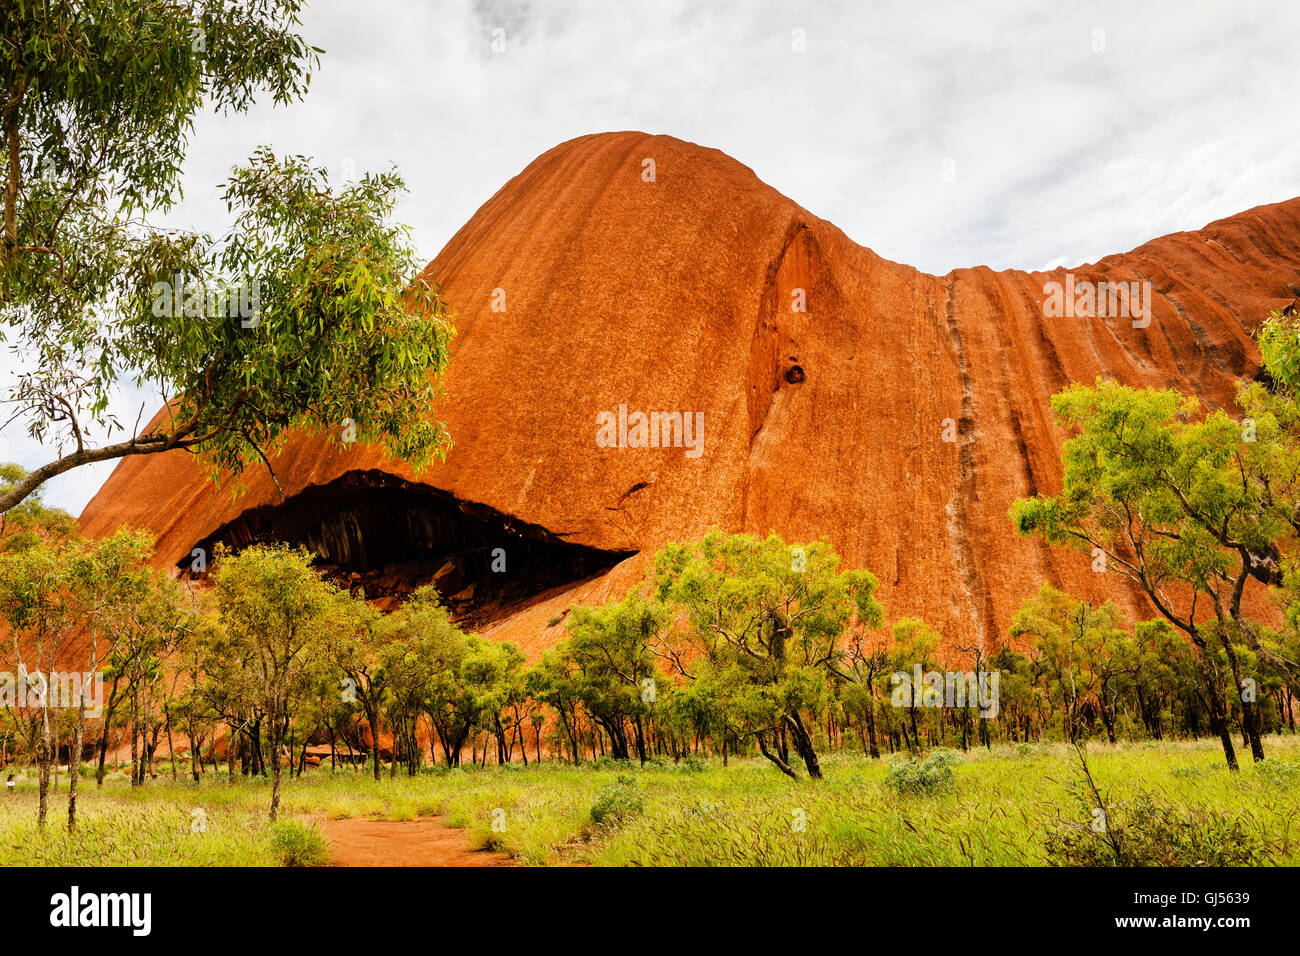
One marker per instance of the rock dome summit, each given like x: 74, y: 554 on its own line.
x: 842, y: 396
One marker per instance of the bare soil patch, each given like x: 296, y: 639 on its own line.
x: 423, y: 842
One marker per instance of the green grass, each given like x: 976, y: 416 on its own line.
x: 999, y: 811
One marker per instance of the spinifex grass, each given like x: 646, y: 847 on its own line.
x: 998, y: 812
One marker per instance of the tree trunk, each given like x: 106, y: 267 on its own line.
x: 1249, y: 712
x: 1218, y: 723
x: 135, y: 738
x: 775, y: 758
x: 44, y: 758
x: 171, y: 749
x: 74, y: 767
x: 803, y: 744
x: 103, y: 737
x: 870, y: 710
x: 640, y: 739
x: 259, y: 758
x: 373, y: 719
x: 277, y: 739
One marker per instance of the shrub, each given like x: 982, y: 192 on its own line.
x: 1279, y: 773
x: 930, y: 776
x: 620, y: 800
x: 298, y: 844
x: 693, y: 764
x: 1149, y: 832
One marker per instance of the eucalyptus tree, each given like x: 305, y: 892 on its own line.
x: 611, y: 657
x: 192, y: 710
x: 769, y: 619
x: 550, y: 681
x: 38, y: 609
x: 32, y: 521
x: 421, y: 660
x: 275, y: 610
x: 1080, y: 646
x: 355, y: 641
x: 493, y: 671
x: 866, y: 659
x: 309, y: 311
x: 109, y: 580
x: 1167, y: 497
x: 158, y: 627
x: 911, y: 654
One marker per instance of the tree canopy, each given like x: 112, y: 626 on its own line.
x: 309, y: 311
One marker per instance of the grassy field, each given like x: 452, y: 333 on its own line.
x: 1008, y: 806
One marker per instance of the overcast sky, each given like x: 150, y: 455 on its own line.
x: 1021, y: 133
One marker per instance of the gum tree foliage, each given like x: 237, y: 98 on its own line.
x: 421, y: 645
x: 1279, y: 347
x: 914, y: 645
x: 421, y: 658
x: 1164, y: 671
x: 609, y: 657
x: 192, y: 710
x: 471, y: 696
x: 32, y: 521
x: 38, y: 610
x: 1172, y: 499
x: 160, y: 627
x: 495, y: 670
x: 866, y: 661
x: 698, y: 709
x: 356, y: 637
x: 67, y: 603
x: 275, y: 610
x: 110, y: 581
x: 767, y: 618
x: 550, y: 681
x: 1083, y: 650
x: 226, y: 688
x: 28, y: 534
x: 1273, y: 408
x: 97, y: 101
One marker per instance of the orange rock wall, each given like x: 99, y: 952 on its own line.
x: 677, y: 294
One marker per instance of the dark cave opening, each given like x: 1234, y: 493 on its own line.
x: 374, y: 531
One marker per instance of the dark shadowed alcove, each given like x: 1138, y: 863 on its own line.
x: 373, y: 530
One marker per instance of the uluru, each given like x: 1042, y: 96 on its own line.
x: 796, y: 382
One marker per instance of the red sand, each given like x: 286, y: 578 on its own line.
x: 424, y: 842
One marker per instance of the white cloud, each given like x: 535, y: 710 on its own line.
x: 1062, y: 154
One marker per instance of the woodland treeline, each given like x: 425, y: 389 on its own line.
x: 734, y: 645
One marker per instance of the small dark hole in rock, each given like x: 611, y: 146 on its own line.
x: 794, y: 374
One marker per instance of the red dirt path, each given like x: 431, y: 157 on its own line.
x: 423, y: 842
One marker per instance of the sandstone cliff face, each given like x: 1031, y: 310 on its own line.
x: 581, y: 287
